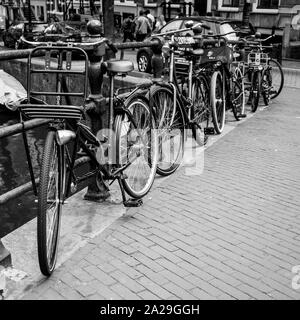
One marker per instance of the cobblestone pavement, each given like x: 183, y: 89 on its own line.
x: 232, y: 232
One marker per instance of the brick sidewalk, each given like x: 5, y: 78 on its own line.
x: 231, y: 233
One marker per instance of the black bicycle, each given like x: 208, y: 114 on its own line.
x: 128, y: 152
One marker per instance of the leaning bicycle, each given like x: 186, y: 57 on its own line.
x: 126, y: 153
x: 176, y: 109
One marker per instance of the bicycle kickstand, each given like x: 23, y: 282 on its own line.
x: 131, y: 202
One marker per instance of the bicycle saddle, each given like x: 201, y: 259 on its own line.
x: 119, y: 66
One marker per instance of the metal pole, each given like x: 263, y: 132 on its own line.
x: 29, y: 16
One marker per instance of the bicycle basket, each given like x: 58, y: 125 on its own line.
x: 223, y: 54
x: 257, y: 59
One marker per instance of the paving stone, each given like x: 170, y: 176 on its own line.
x: 230, y: 233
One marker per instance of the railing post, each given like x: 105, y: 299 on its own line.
x: 5, y: 256
x: 96, y: 107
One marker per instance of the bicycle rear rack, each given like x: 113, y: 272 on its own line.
x: 61, y: 68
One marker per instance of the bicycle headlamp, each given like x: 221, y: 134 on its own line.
x: 64, y: 136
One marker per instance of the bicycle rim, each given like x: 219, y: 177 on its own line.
x: 200, y: 110
x: 49, y: 205
x: 277, y: 78
x: 137, y: 147
x: 238, y: 94
x: 218, y: 102
x: 170, y: 124
x: 266, y: 86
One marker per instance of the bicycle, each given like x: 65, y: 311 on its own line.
x: 176, y: 111
x: 225, y: 77
x: 260, y: 70
x: 128, y: 154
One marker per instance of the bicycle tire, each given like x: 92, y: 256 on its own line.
x: 200, y: 113
x: 238, y: 94
x: 51, y: 168
x: 255, y: 90
x: 279, y: 78
x: 266, y: 86
x: 171, y: 130
x: 136, y: 183
x: 218, y: 102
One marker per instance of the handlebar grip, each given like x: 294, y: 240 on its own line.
x: 113, y: 48
x: 205, y: 26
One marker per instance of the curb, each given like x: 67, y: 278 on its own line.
x: 5, y: 256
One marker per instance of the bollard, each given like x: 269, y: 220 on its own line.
x: 96, y: 107
x: 5, y: 256
x: 157, y: 59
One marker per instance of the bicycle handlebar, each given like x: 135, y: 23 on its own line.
x: 60, y: 43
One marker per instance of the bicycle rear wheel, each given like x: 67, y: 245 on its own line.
x: 136, y: 146
x: 277, y: 78
x: 266, y: 85
x: 170, y: 124
x: 218, y: 102
x: 238, y: 94
x: 255, y: 90
x: 49, y: 204
x: 200, y: 115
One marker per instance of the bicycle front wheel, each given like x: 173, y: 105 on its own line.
x: 200, y: 115
x: 218, y: 102
x: 49, y: 204
x: 170, y: 125
x: 277, y: 78
x: 136, y: 147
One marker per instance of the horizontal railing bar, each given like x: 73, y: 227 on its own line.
x: 24, y: 53
x: 17, y: 128
x: 57, y: 71
x: 17, y: 192
x: 16, y: 54
x: 26, y: 187
x: 49, y: 93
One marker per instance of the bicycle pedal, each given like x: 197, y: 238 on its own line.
x: 209, y: 131
x: 133, y: 202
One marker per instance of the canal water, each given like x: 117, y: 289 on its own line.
x: 14, y: 172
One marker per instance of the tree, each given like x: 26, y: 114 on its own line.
x: 108, y: 18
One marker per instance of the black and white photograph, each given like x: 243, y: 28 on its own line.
x: 149, y: 154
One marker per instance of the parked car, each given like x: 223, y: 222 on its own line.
x: 217, y: 25
x: 40, y: 32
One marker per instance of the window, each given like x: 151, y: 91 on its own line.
x: 230, y: 3
x: 268, y: 4
x: 172, y: 26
